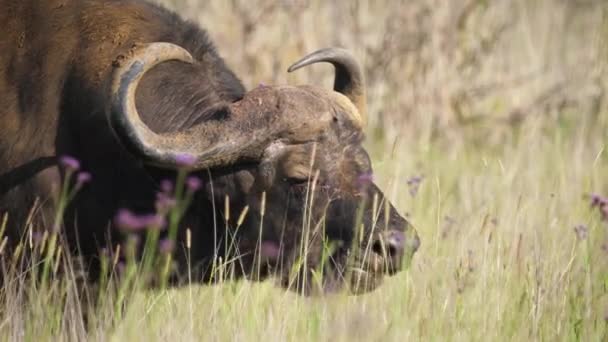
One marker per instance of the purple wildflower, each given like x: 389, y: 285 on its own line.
x: 166, y: 246
x: 601, y: 203
x: 126, y: 220
x: 82, y: 178
x: 70, y: 163
x: 164, y: 202
x: 166, y: 186
x: 185, y: 160
x: 269, y: 250
x: 581, y: 231
x: 193, y: 183
x: 598, y: 200
x: 413, y: 184
x: 365, y: 178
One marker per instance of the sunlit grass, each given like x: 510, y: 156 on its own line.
x: 500, y: 260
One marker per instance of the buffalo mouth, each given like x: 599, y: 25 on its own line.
x: 368, y: 272
x: 361, y: 272
x: 346, y: 270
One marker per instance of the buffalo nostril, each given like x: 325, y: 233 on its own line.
x: 391, y: 243
x: 396, y: 248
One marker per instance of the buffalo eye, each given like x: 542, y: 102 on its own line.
x: 296, y: 181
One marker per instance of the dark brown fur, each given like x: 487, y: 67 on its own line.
x: 55, y: 68
x: 56, y: 63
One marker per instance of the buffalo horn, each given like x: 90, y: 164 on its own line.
x: 349, y: 76
x: 199, y: 147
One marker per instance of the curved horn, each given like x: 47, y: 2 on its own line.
x: 203, y: 146
x: 349, y: 76
x: 124, y: 118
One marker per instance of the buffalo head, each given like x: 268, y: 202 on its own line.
x: 311, y: 212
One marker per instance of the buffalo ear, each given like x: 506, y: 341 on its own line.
x: 297, y: 162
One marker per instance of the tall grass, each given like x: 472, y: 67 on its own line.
x: 488, y: 129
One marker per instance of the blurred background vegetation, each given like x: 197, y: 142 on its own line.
x: 434, y: 68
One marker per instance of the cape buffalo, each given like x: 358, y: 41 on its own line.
x: 130, y: 90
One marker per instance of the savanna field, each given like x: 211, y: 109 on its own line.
x: 488, y: 126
